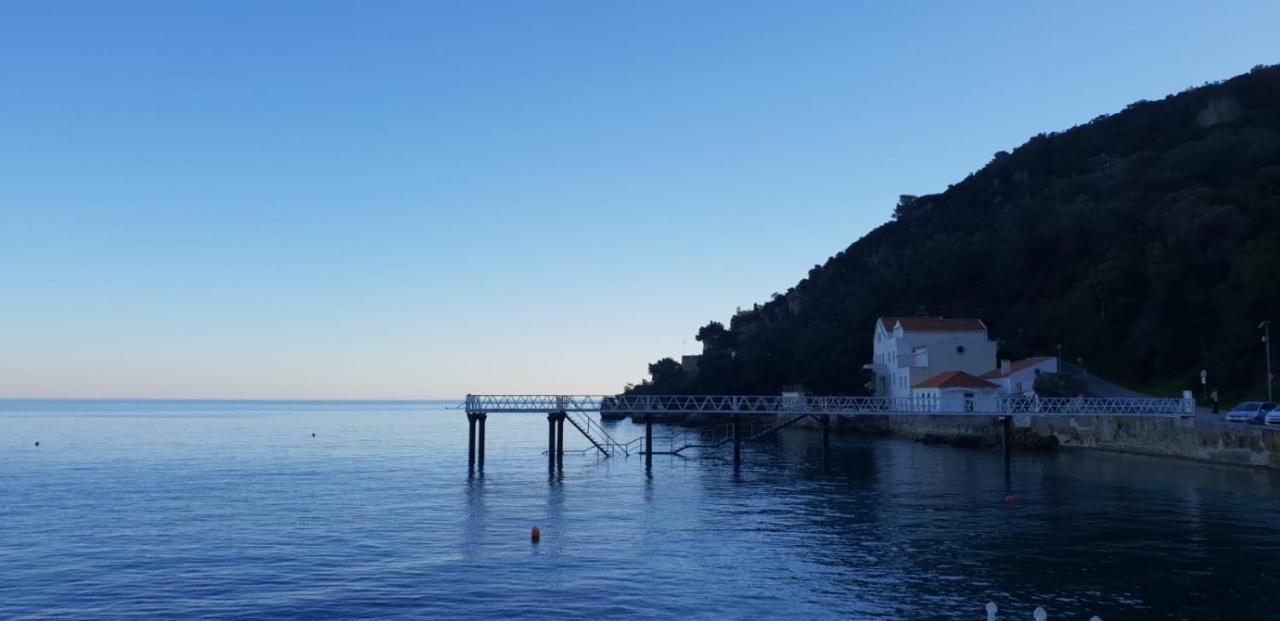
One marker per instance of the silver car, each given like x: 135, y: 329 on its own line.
x: 1272, y: 418
x: 1254, y: 412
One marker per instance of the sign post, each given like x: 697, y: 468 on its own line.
x: 1266, y: 346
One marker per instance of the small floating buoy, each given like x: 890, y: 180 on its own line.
x: 1009, y: 499
x: 535, y: 535
x: 313, y: 435
x: 37, y: 443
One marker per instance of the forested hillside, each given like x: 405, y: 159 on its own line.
x: 1146, y: 243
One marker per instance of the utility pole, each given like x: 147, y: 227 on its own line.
x: 1266, y: 348
x: 1059, y: 358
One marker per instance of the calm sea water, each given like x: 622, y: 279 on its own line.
x: 234, y: 510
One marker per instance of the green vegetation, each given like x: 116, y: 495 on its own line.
x: 1059, y: 385
x: 1146, y: 243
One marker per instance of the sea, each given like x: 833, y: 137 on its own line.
x: 368, y: 510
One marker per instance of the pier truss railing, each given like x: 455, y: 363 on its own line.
x: 839, y: 406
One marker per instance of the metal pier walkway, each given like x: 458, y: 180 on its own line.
x: 785, y: 409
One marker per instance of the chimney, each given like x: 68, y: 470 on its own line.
x: 1006, y: 366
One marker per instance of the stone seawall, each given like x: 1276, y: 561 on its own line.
x: 1186, y: 438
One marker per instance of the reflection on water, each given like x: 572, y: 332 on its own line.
x: 473, y: 523
x: 217, y: 510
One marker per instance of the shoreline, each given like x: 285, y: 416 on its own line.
x: 1185, y: 439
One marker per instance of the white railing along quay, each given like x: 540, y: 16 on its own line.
x: 839, y: 406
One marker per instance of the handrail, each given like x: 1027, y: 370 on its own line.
x: 720, y: 430
x: 605, y: 434
x: 843, y: 406
x: 779, y: 426
x: 591, y: 429
x: 574, y: 421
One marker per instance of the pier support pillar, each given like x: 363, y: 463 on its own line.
x: 825, y: 419
x: 648, y: 441
x: 481, y: 418
x: 560, y: 416
x: 737, y: 442
x: 551, y: 438
x: 471, y: 441
x: 1006, y: 442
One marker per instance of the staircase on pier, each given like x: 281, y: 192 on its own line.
x: 596, y: 434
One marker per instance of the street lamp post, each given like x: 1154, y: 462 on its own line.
x: 1266, y: 348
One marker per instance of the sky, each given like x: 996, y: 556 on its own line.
x: 427, y: 199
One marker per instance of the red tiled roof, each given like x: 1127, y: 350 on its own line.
x: 933, y: 324
x: 1017, y: 365
x: 954, y: 379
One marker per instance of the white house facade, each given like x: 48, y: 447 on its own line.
x: 910, y: 350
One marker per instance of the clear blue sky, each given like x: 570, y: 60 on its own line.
x: 424, y: 199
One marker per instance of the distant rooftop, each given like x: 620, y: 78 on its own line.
x: 954, y: 379
x: 1017, y: 365
x: 933, y: 324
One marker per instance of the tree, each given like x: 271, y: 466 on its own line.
x: 905, y: 203
x: 667, y: 375
x: 714, y: 337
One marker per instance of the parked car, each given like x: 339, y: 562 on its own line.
x: 1273, y: 417
x: 1254, y: 412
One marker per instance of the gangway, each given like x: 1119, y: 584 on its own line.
x: 793, y: 408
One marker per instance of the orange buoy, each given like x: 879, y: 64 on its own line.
x: 535, y: 534
x: 1008, y: 498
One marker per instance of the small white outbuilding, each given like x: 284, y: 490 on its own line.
x: 955, y: 391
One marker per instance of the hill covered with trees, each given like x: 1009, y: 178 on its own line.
x: 1146, y: 243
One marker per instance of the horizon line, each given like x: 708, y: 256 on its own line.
x: 339, y: 399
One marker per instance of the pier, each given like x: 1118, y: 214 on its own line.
x: 777, y: 412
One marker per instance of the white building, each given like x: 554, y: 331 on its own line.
x: 1018, y: 377
x: 955, y: 391
x: 910, y: 350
